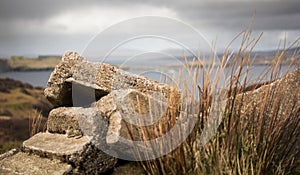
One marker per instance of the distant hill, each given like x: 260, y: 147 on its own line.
x: 4, y: 66
x: 48, y: 62
x: 261, y: 57
x: 269, y: 55
x: 19, y: 63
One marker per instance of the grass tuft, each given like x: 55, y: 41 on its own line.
x: 259, y: 132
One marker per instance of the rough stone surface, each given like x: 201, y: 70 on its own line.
x: 78, y: 121
x: 64, y: 120
x: 78, y: 152
x: 129, y: 114
x: 136, y: 116
x: 55, y: 145
x: 287, y: 88
x: 276, y: 104
x: 76, y: 70
x: 9, y: 153
x: 29, y: 164
x: 131, y: 106
x: 59, y: 89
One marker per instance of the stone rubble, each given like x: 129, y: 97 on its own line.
x: 94, y: 102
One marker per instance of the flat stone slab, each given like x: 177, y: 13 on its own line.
x: 29, y: 164
x: 76, y: 151
x: 88, y: 80
x: 55, y: 145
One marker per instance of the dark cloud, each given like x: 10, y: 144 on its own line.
x: 30, y: 9
x: 26, y: 21
x: 232, y: 15
x: 43, y: 9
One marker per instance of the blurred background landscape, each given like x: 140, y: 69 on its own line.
x: 35, y: 34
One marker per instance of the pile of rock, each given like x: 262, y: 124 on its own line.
x: 96, y: 104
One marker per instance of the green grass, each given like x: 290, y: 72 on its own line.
x: 4, y: 147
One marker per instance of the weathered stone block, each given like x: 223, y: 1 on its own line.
x: 64, y: 120
x: 79, y: 152
x: 98, y: 78
x: 136, y: 116
x: 78, y: 121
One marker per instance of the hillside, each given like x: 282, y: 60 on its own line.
x: 20, y: 63
x: 20, y: 105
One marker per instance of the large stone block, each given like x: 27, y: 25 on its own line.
x: 66, y: 120
x: 136, y: 116
x: 95, y: 80
x: 77, y: 122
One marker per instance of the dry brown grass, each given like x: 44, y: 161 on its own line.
x: 259, y: 141
x: 37, y: 123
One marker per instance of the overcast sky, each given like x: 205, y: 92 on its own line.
x: 36, y: 27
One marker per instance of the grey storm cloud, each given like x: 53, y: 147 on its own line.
x: 270, y: 14
x: 36, y: 9
x: 192, y: 9
x: 43, y: 22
